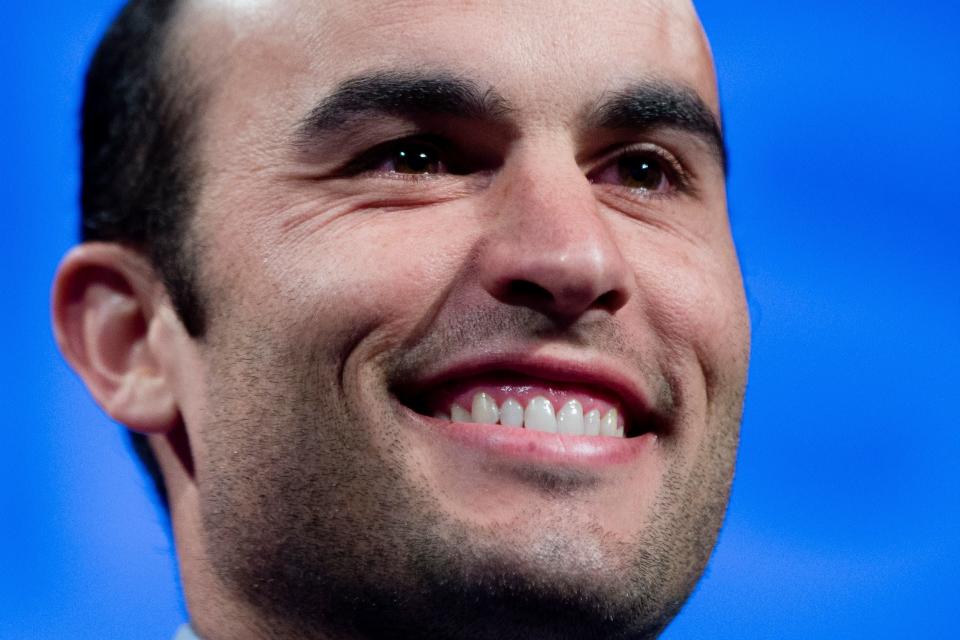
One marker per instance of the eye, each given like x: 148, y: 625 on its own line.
x: 641, y: 170
x: 422, y: 156
x: 414, y: 158
x: 407, y: 157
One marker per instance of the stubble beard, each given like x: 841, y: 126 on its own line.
x: 322, y: 534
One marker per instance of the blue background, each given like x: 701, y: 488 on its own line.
x: 845, y: 196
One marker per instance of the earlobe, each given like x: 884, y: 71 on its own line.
x: 105, y: 303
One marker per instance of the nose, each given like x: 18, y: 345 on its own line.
x: 550, y: 248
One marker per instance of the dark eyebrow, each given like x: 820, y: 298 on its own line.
x: 653, y: 104
x: 401, y: 94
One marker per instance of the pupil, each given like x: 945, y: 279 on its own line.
x: 415, y: 161
x: 641, y: 173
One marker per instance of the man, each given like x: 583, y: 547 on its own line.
x: 429, y: 312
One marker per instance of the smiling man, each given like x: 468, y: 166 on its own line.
x: 426, y: 315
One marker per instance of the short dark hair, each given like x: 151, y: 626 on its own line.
x: 138, y: 178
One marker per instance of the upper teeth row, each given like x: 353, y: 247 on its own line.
x: 538, y: 415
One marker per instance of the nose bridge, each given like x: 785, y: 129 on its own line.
x: 550, y: 247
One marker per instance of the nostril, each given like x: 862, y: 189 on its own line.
x: 567, y: 303
x: 611, y: 300
x: 528, y: 293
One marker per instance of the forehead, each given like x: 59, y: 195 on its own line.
x: 544, y: 56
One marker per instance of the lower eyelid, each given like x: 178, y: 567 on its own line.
x: 404, y: 177
x: 632, y: 200
x: 417, y: 185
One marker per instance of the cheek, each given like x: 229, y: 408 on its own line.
x: 694, y: 299
x: 368, y: 267
x: 708, y: 304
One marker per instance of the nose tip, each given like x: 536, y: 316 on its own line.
x: 555, y: 253
x: 563, y: 286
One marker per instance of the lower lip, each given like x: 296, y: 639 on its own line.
x: 529, y: 445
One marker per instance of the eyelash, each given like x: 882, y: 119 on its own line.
x: 676, y: 175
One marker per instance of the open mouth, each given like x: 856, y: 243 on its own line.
x: 521, y: 401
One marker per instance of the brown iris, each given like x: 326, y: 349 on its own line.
x: 417, y: 159
x: 641, y: 172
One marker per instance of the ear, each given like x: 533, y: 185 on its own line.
x: 106, y: 302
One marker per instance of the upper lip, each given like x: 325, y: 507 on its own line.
x: 590, y: 372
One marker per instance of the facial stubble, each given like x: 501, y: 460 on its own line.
x: 313, y: 517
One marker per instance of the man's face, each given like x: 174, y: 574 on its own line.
x: 405, y: 205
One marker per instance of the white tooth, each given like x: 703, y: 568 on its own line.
x: 570, y: 418
x: 608, y: 426
x: 459, y: 414
x: 511, y: 413
x: 440, y: 415
x: 485, y: 409
x: 539, y: 416
x: 591, y: 423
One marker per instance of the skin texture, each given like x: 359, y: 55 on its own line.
x: 307, y: 501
